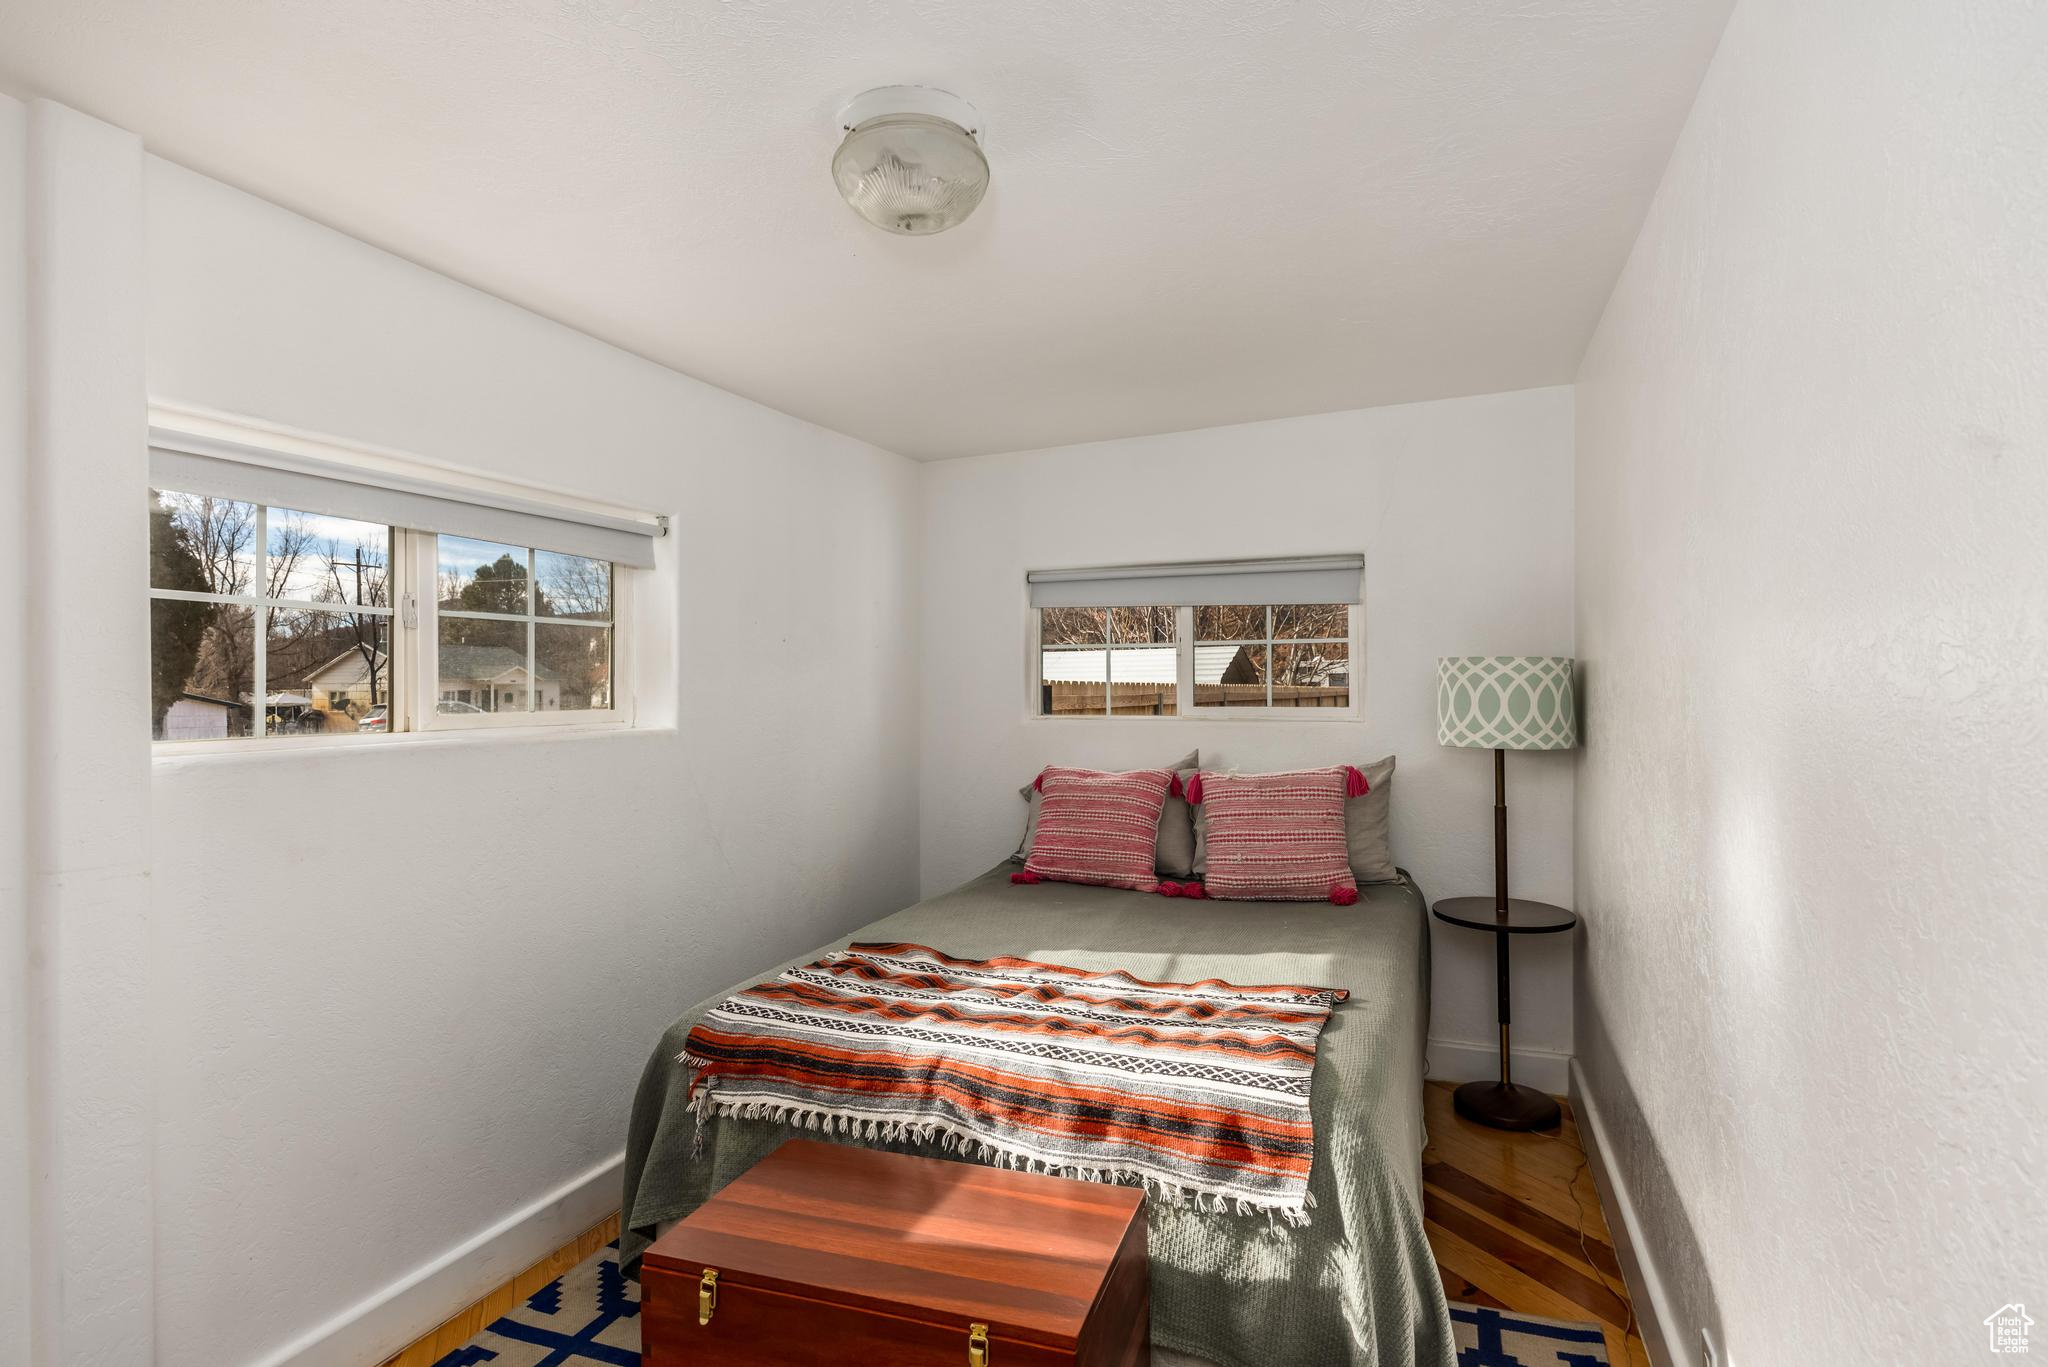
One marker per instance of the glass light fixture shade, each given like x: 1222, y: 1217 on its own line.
x: 911, y: 173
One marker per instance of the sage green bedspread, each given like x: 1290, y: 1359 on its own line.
x: 1357, y: 1286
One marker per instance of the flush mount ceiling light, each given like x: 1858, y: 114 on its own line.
x: 911, y: 162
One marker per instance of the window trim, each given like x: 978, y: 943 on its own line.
x: 426, y: 693
x: 1184, y: 691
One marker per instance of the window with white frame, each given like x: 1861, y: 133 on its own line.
x: 282, y: 605
x: 520, y: 630
x: 1266, y: 638
x: 1273, y: 655
x: 264, y: 621
x: 1099, y: 662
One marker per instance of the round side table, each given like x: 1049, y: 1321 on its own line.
x: 1506, y: 1104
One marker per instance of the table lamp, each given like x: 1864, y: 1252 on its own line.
x: 1503, y: 703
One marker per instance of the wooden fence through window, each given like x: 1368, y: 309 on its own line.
x: 1065, y: 699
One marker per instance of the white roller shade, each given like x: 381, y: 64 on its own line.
x: 305, y: 483
x: 1313, y: 579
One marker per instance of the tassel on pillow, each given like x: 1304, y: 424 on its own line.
x: 1354, y: 782
x: 1344, y: 897
x: 1025, y: 877
x: 1194, y: 791
x: 1168, y: 888
x: 1194, y: 890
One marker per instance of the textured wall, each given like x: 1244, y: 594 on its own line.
x: 87, y: 812
x: 404, y: 990
x: 1812, y: 488
x: 15, y: 1126
x: 1463, y: 510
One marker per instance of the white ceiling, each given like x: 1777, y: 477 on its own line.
x: 1202, y: 211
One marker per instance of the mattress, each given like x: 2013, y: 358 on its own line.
x: 1357, y: 1285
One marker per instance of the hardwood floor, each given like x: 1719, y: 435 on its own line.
x: 463, y: 1326
x: 1515, y: 1222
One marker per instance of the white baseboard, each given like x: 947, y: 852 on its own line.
x: 379, y: 1326
x: 1456, y: 1061
x: 1654, y: 1317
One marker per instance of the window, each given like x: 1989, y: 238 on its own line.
x: 1178, y: 640
x: 314, y: 616
x: 264, y: 621
x: 1109, y: 661
x: 1297, y: 655
x: 521, y: 630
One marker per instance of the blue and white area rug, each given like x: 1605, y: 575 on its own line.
x: 591, y: 1314
x: 1506, y: 1338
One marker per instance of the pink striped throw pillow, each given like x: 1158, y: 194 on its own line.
x: 1278, y: 837
x: 1098, y: 828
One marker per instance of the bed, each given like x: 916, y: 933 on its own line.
x: 1358, y: 1285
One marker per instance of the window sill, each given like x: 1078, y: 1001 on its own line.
x: 1310, y: 716
x: 179, y: 754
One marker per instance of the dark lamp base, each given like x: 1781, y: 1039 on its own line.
x: 1507, y: 1106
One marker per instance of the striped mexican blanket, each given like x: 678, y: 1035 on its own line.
x: 1197, y: 1091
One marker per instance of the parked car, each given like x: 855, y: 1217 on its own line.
x: 378, y: 718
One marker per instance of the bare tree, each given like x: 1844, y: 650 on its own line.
x: 1230, y: 623
x: 291, y: 541
x: 221, y: 534
x: 364, y: 573
x: 574, y: 587
x: 1073, y: 626
x: 1143, y: 626
x: 1322, y: 629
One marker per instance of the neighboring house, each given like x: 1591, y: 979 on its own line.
x: 343, y: 684
x: 493, y: 679
x: 200, y: 716
x: 488, y: 678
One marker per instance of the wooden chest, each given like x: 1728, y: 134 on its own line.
x: 824, y: 1253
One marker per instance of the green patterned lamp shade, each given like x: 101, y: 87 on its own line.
x: 1506, y: 702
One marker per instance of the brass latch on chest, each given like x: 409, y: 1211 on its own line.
x: 707, y: 1296
x: 977, y: 1345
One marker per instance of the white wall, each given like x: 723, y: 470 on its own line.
x: 1812, y: 489
x: 86, y: 818
x: 1463, y: 510
x: 348, y: 1032
x: 15, y: 1047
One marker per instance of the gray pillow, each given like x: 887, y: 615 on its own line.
x: 1368, y: 825
x: 1176, y: 853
